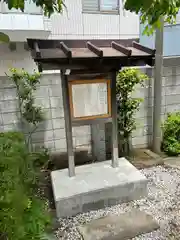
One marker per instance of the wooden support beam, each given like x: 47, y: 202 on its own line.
x: 37, y: 50
x: 39, y: 65
x: 95, y: 49
x: 67, y: 51
x: 91, y: 121
x: 121, y: 48
x: 68, y: 124
x: 144, y: 49
x: 115, y: 152
x: 38, y: 55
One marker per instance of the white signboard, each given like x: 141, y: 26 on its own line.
x: 89, y: 98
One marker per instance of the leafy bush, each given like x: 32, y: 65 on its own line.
x: 41, y: 158
x: 14, y: 136
x: 31, y: 115
x: 127, y: 81
x: 24, y: 214
x: 171, y: 134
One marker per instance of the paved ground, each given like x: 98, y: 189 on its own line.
x: 163, y: 203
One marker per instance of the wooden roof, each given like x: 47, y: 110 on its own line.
x: 50, y: 54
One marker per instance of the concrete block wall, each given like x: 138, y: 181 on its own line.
x: 51, y: 132
x: 142, y: 136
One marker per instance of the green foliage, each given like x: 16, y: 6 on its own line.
x: 26, y: 85
x: 4, y: 38
x: 127, y: 80
x: 18, y: 137
x: 23, y: 214
x: 171, y: 134
x: 152, y: 10
x: 41, y: 158
x: 48, y: 7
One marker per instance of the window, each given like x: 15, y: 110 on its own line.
x: 101, y: 6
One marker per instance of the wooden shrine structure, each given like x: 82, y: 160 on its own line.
x: 88, y: 65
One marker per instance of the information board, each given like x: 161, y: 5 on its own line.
x: 90, y: 99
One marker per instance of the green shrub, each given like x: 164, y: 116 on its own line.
x: 171, y: 134
x: 24, y: 214
x: 41, y: 158
x: 126, y: 83
x: 11, y: 135
x: 30, y: 114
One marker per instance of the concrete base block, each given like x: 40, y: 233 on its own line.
x: 96, y: 186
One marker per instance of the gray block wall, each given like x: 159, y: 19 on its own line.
x: 170, y: 102
x: 142, y: 136
x: 51, y: 132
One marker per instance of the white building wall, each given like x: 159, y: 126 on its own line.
x: 20, y: 25
x: 74, y: 24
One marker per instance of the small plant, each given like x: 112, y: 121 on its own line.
x: 41, y: 158
x: 127, y: 80
x: 31, y: 115
x: 24, y: 212
x: 171, y: 134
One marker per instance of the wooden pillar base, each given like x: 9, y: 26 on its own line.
x: 68, y: 124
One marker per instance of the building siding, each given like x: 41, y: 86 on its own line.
x: 74, y: 24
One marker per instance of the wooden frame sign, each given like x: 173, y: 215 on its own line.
x: 90, y: 99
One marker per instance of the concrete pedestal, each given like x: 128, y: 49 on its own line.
x: 96, y: 186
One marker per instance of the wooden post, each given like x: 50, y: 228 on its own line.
x: 114, y: 121
x: 68, y: 124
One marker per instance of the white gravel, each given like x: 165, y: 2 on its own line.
x: 163, y: 203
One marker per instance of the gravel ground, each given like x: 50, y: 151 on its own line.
x: 163, y: 203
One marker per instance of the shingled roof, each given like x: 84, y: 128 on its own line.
x: 49, y: 53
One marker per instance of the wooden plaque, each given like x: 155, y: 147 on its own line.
x: 90, y: 99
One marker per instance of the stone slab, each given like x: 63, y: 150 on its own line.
x: 173, y: 162
x: 122, y: 227
x: 151, y: 154
x: 96, y: 186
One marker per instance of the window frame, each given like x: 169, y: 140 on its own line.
x: 99, y: 11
